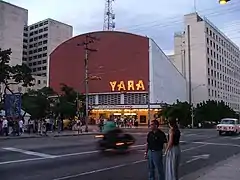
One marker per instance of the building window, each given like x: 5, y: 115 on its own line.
x: 111, y: 99
x: 135, y: 98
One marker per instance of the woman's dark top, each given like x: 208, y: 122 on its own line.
x: 176, y: 137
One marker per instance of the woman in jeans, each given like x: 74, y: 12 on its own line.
x: 173, y: 151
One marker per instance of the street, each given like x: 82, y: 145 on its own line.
x: 76, y: 158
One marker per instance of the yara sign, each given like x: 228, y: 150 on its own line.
x: 127, y: 85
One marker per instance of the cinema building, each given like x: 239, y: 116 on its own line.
x: 132, y: 70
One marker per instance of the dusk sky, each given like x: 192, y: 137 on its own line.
x: 158, y: 20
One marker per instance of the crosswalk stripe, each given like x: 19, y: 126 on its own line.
x: 42, y: 155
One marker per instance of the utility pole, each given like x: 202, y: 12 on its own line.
x: 88, y: 40
x: 109, y: 16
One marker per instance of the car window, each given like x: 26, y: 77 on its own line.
x: 228, y: 122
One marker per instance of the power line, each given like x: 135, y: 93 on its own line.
x: 178, y: 22
x: 176, y: 19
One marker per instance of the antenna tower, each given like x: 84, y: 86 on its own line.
x: 109, y: 16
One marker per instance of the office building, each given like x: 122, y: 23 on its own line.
x: 30, y: 44
x: 43, y: 37
x: 13, y: 19
x: 209, y: 60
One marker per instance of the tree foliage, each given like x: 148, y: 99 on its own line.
x: 37, y: 103
x: 213, y: 111
x: 13, y: 74
x: 67, y: 104
x: 45, y: 102
x: 179, y: 110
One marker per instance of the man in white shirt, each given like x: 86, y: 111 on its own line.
x: 5, y: 126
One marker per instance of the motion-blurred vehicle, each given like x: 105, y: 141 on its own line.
x: 117, y: 140
x: 228, y: 126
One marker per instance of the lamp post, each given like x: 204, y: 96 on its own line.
x: 223, y: 2
x: 192, y: 108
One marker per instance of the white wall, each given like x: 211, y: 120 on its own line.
x: 198, y: 57
x: 12, y: 22
x: 166, y: 82
x: 58, y: 33
x: 39, y: 83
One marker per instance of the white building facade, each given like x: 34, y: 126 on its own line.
x: 209, y: 61
x: 43, y: 37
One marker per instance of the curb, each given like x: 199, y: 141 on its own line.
x: 48, y: 136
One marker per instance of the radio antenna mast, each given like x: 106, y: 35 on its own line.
x: 109, y: 16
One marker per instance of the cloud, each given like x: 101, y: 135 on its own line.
x: 158, y: 19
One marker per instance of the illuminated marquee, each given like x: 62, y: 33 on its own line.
x: 127, y: 86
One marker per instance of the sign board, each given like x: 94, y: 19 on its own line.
x: 129, y: 85
x: 13, y: 105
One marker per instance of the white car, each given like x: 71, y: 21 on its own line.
x: 228, y: 126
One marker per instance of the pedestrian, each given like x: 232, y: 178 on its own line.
x: 79, y: 129
x: 20, y: 123
x: 5, y: 126
x: 156, y: 139
x: 173, y: 151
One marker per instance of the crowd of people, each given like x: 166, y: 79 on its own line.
x: 17, y: 126
x: 12, y: 126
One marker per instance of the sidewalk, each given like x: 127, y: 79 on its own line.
x: 92, y: 130
x: 49, y: 134
x: 228, y: 170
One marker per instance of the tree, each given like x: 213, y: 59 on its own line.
x: 67, y: 104
x: 13, y: 74
x: 213, y: 111
x: 37, y: 102
x: 180, y: 111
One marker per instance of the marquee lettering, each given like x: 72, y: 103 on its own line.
x: 127, y: 86
x: 113, y: 85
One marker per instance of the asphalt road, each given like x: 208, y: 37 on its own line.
x: 76, y: 158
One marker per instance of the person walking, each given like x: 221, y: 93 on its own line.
x: 173, y: 151
x: 156, y: 139
x: 79, y: 129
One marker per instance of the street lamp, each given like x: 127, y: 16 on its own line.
x: 223, y: 2
x: 192, y: 115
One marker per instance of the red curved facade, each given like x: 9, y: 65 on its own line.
x: 119, y: 57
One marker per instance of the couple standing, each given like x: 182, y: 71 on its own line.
x: 156, y: 141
